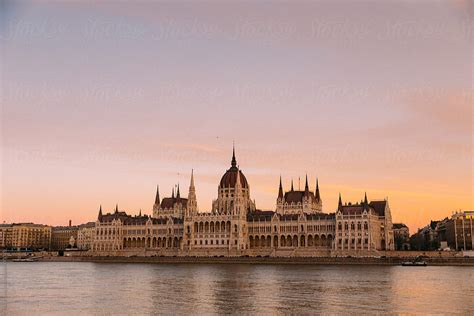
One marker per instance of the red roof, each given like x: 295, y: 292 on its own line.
x: 170, y: 202
x: 229, y: 178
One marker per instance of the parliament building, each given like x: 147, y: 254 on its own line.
x: 235, y: 227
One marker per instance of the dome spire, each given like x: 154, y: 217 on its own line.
x: 233, y: 162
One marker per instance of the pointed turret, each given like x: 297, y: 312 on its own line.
x: 116, y: 208
x: 318, y: 197
x: 191, y: 184
x: 172, y: 193
x: 292, y: 185
x: 177, y: 193
x: 100, y: 213
x: 157, y: 198
x: 280, y: 190
x: 339, y: 207
x: 140, y: 213
x: 306, y: 187
x: 366, y: 202
x: 238, y: 184
x: 192, y: 202
x: 238, y: 196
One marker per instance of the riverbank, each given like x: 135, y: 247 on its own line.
x: 264, y: 260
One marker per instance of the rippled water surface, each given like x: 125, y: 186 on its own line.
x: 99, y: 288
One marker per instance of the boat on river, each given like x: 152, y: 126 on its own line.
x: 417, y: 262
x: 31, y: 259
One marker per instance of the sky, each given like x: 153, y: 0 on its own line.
x: 102, y: 102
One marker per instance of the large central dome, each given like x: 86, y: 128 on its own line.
x: 230, y: 177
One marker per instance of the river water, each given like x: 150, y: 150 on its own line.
x: 116, y: 289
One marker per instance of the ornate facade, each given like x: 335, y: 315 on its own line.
x: 234, y: 227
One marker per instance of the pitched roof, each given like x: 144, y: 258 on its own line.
x: 296, y: 196
x: 171, y: 201
x: 319, y: 216
x: 259, y: 215
x: 379, y: 207
x: 399, y: 225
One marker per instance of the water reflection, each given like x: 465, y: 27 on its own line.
x: 47, y: 288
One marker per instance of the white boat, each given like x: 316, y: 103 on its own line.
x: 414, y: 264
x: 25, y: 260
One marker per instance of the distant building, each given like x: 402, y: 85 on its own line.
x: 425, y: 238
x: 6, y: 234
x: 459, y: 231
x: 85, y: 236
x: 454, y: 233
x: 234, y: 226
x: 401, y: 235
x: 61, y: 237
x: 364, y: 226
x: 25, y: 236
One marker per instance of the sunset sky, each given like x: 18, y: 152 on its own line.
x: 102, y: 102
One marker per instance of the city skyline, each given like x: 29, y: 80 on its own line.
x: 298, y: 184
x: 102, y: 103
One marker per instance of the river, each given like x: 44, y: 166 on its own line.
x: 117, y: 289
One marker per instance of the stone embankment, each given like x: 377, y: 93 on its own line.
x: 432, y: 261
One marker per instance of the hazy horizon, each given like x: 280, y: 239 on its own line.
x: 102, y: 102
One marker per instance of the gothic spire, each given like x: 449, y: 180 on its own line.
x: 318, y: 197
x: 280, y: 190
x: 192, y: 203
x: 157, y: 198
x: 292, y: 185
x: 191, y: 184
x: 116, y: 208
x: 172, y: 193
x: 234, y: 161
x: 306, y: 187
x: 140, y: 213
x: 100, y: 213
x: 365, y: 199
x: 340, y: 202
x: 177, y: 193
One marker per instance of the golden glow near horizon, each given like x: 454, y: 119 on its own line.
x: 103, y: 102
